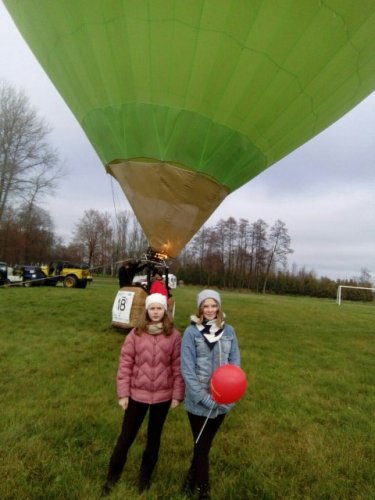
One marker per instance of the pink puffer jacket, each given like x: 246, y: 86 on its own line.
x: 149, y: 368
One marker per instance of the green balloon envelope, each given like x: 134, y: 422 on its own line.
x: 184, y: 102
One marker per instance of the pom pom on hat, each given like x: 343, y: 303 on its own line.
x: 156, y: 298
x: 208, y: 294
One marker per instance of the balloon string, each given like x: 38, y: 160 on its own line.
x: 204, y: 425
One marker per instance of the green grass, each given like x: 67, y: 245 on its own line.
x: 304, y: 429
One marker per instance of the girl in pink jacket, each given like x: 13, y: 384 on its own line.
x: 148, y: 378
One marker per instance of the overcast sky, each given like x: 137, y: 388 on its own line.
x: 324, y: 191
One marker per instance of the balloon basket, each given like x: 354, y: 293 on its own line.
x: 127, y: 319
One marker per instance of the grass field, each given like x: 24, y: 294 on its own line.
x: 304, y: 430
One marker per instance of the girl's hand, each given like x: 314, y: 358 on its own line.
x: 208, y: 402
x: 175, y: 403
x: 123, y: 402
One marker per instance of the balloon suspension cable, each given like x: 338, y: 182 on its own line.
x: 204, y: 425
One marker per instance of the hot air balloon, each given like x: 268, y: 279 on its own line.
x: 184, y: 102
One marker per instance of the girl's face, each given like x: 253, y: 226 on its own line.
x: 156, y: 312
x: 210, y: 309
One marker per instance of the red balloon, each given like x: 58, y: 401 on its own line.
x: 228, y: 384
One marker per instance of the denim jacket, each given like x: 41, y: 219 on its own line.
x: 198, y: 363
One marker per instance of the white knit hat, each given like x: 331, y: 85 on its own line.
x: 208, y: 294
x: 156, y: 298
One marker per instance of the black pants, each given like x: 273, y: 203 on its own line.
x: 200, y: 464
x: 133, y: 418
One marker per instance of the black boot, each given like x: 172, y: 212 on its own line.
x: 189, y: 483
x: 147, y: 466
x: 144, y: 482
x: 204, y: 491
x: 109, y: 485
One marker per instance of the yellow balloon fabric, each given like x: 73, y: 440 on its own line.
x: 185, y: 101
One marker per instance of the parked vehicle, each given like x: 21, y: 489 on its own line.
x: 71, y: 275
x: 32, y: 276
x: 141, y: 279
x: 7, y: 276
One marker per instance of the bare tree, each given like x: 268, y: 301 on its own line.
x: 106, y: 244
x: 87, y: 231
x: 36, y: 234
x: 258, y: 252
x: 242, y: 252
x: 199, y: 247
x: 29, y: 167
x: 129, y: 239
x: 122, y: 221
x: 136, y: 241
x: 278, y: 248
x: 365, y: 278
x: 220, y: 240
x: 231, y: 230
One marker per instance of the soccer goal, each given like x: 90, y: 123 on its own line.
x: 338, y: 296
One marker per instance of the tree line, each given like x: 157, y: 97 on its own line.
x: 98, y: 240
x: 240, y: 255
x: 236, y: 254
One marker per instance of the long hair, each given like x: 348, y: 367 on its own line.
x: 219, y: 318
x: 144, y: 320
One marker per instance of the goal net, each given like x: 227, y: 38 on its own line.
x: 340, y: 287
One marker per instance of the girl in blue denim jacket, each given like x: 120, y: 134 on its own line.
x: 207, y: 344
